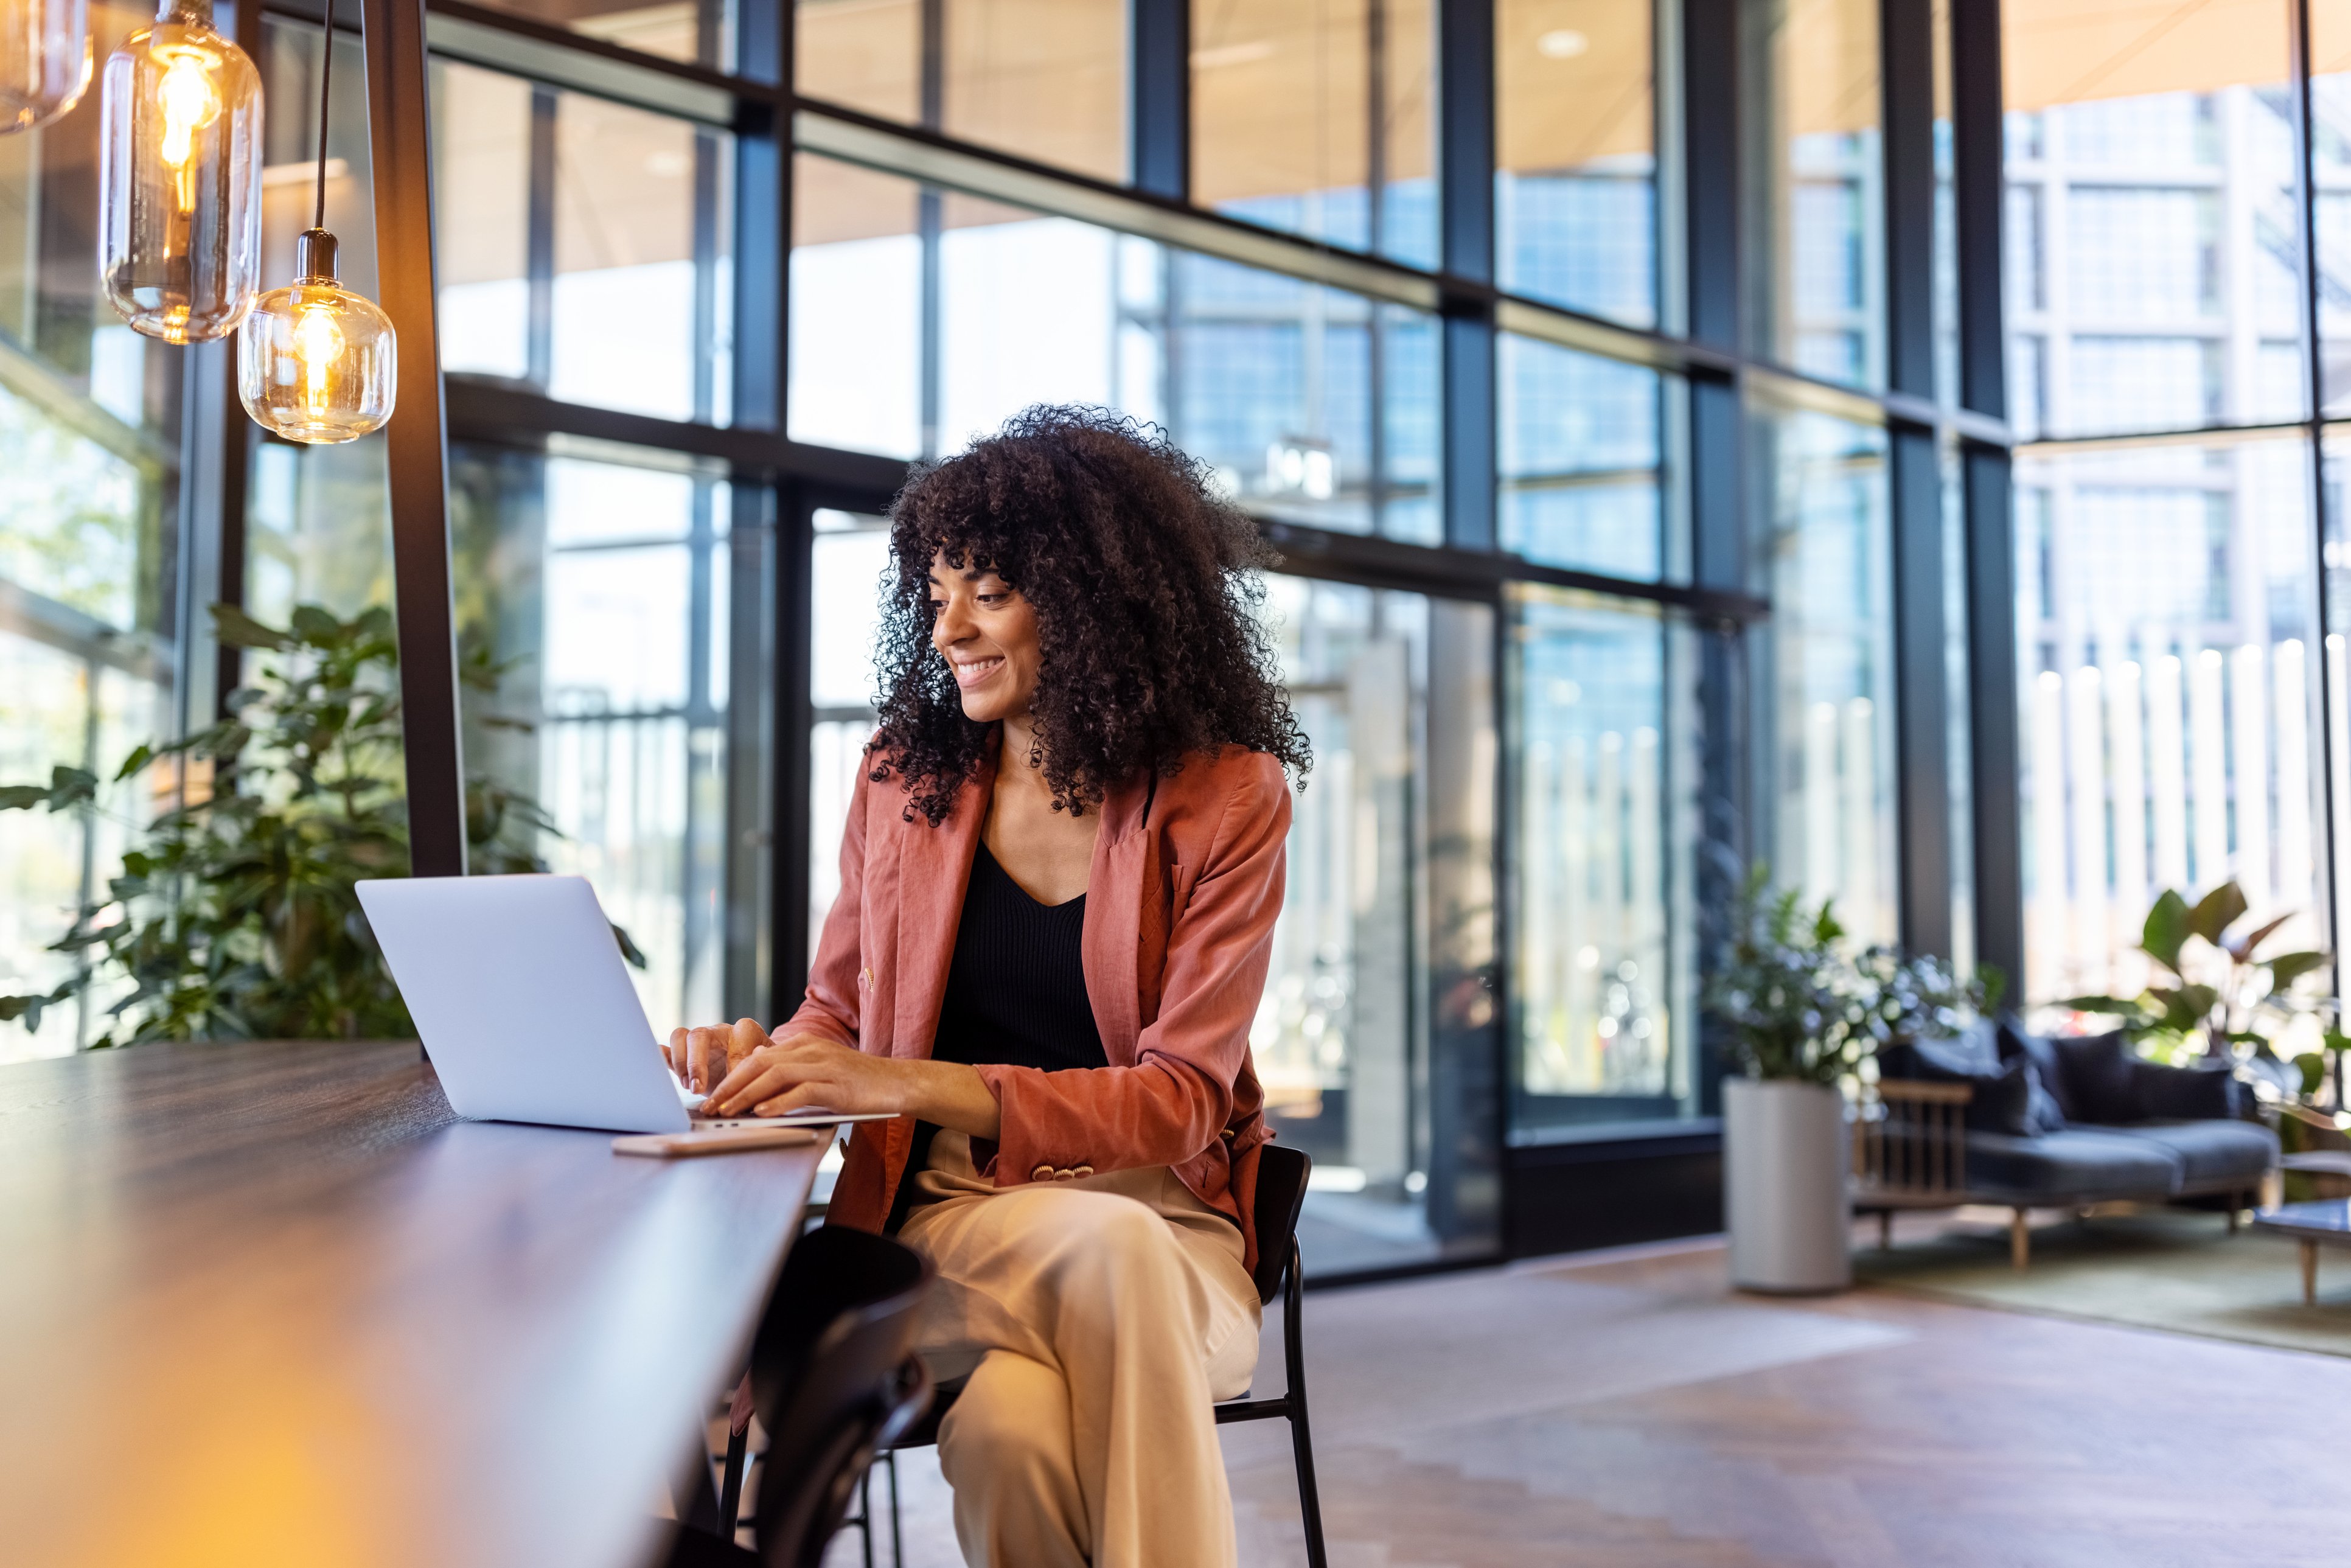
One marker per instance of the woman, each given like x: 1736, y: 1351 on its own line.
x: 1058, y: 882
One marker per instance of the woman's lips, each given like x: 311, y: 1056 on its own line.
x: 969, y: 675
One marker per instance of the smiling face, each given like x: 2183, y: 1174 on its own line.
x: 987, y: 634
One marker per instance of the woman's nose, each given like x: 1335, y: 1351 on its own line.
x: 950, y: 626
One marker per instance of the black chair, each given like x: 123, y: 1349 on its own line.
x: 1280, y: 1195
x: 833, y: 1380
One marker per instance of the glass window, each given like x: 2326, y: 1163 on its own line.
x: 593, y: 583
x: 1575, y: 164
x: 699, y: 32
x: 1605, y: 823
x: 2169, y: 695
x: 1828, y: 703
x: 848, y: 559
x: 1314, y: 404
x: 583, y: 245
x: 2330, y: 146
x: 1815, y: 190
x: 1044, y: 79
x: 89, y: 552
x: 1314, y: 116
x: 1581, y: 463
x: 1343, y: 1038
x: 2152, y: 250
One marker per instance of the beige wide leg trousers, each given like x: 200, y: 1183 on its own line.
x: 1097, y: 1318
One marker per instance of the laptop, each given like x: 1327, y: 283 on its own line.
x: 519, y: 994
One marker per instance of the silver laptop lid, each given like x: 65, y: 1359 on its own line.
x: 517, y: 989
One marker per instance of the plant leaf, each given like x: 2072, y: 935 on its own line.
x: 2242, y: 948
x: 2287, y: 967
x: 2217, y: 911
x: 2166, y: 929
x: 238, y: 629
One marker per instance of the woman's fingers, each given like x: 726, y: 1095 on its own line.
x: 765, y: 1081
x: 800, y: 1096
x: 673, y: 1051
x: 745, y: 1039
x: 708, y: 1053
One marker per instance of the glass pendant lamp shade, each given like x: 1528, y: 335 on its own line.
x: 179, y: 236
x: 43, y: 60
x: 316, y: 363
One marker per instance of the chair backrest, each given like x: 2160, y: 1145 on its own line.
x: 832, y: 1368
x: 1281, y: 1176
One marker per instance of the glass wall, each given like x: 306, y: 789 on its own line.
x: 2172, y: 675
x: 1824, y: 551
x: 1315, y: 117
x: 90, y: 573
x: 1607, y: 829
x: 1575, y: 162
x: 2169, y: 660
x: 1582, y: 461
x: 1342, y: 1037
x: 1314, y: 404
x: 583, y: 246
x: 1814, y: 193
x: 1043, y: 78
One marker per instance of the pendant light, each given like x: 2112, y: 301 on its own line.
x: 315, y: 362
x: 179, y: 237
x: 43, y: 60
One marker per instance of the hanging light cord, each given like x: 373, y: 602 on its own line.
x: 326, y: 79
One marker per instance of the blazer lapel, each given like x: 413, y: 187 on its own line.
x: 935, y: 870
x: 1122, y: 874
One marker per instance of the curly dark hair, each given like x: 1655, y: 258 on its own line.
x: 1145, y: 584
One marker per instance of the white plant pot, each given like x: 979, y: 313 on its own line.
x: 1784, y: 1157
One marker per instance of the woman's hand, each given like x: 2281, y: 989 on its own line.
x: 702, y: 1057
x: 776, y: 1077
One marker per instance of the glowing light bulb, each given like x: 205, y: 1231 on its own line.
x: 180, y: 178
x: 189, y: 104
x: 317, y: 343
x: 316, y: 363
x: 43, y: 60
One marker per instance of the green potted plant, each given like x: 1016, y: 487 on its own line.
x: 1802, y: 1017
x: 2216, y: 990
x: 1781, y: 996
x: 237, y: 917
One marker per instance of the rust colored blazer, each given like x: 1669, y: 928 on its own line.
x: 1180, y: 904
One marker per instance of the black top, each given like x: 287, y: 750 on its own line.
x: 1017, y: 990
x: 1016, y: 993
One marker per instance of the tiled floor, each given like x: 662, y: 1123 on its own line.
x: 1630, y: 1410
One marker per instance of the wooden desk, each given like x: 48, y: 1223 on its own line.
x: 272, y: 1303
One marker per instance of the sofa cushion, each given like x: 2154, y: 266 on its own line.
x: 2015, y: 1102
x: 2008, y: 1095
x: 2042, y: 1051
x: 2075, y: 1164
x: 2186, y: 1094
x: 2211, y: 1152
x: 2099, y: 1077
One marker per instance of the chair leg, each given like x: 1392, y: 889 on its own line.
x: 1885, y: 1230
x: 1301, y: 1436
x: 730, y: 1498
x: 897, y: 1545
x: 865, y: 1515
x: 2020, y: 1239
x: 2310, y: 1273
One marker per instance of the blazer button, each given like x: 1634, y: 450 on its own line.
x: 1084, y: 1171
x: 1042, y: 1173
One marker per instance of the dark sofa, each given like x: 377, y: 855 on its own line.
x: 2002, y: 1116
